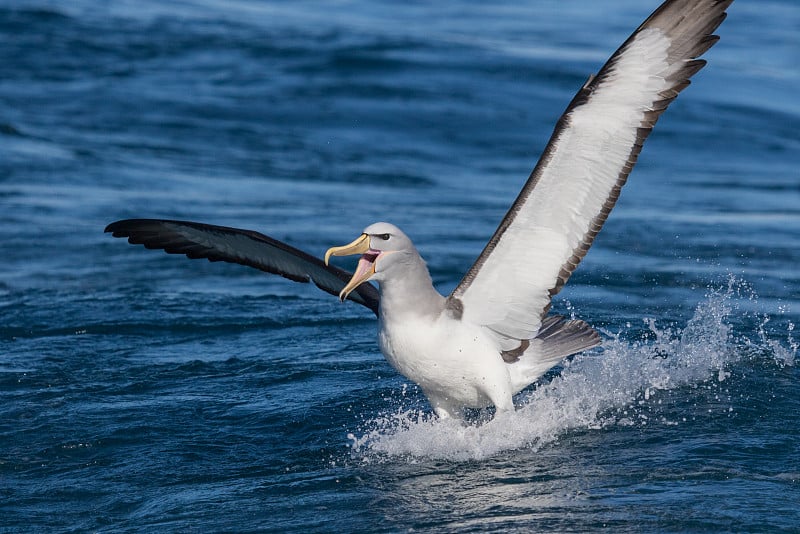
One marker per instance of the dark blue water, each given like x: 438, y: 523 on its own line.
x: 146, y: 392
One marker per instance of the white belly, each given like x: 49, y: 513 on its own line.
x: 455, y: 365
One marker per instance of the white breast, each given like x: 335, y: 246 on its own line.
x: 451, y: 361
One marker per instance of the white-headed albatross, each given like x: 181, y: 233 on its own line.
x: 492, y: 336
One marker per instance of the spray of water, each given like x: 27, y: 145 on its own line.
x: 610, y: 386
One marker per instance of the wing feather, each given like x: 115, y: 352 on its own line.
x: 245, y: 247
x: 574, y: 186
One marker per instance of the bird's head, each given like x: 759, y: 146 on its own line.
x: 383, y: 248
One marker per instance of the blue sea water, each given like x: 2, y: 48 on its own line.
x: 141, y: 392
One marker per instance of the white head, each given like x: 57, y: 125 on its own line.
x: 384, y: 249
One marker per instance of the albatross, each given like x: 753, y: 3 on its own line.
x: 493, y: 335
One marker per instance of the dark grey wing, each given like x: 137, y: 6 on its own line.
x: 245, y: 247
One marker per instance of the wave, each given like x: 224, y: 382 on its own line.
x: 621, y: 384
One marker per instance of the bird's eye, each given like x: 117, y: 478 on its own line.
x: 385, y: 237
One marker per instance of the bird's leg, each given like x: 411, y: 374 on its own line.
x: 443, y: 409
x: 502, y: 400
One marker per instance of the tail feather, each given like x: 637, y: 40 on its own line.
x: 558, y: 338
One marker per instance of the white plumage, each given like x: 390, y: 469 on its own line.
x: 492, y: 336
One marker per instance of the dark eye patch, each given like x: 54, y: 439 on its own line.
x: 385, y: 237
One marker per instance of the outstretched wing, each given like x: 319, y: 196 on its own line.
x: 220, y: 243
x: 575, y: 184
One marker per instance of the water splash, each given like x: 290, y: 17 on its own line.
x: 617, y: 385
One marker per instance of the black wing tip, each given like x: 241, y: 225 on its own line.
x: 124, y: 227
x: 114, y: 227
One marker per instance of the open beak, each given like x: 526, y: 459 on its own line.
x: 366, y: 265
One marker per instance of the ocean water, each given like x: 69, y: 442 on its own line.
x: 141, y: 392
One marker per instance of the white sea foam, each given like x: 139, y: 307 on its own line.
x: 610, y: 386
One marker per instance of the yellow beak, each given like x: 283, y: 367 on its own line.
x: 366, y: 265
x: 359, y: 246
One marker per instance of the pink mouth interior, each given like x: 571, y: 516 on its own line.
x: 366, y: 262
x: 371, y: 255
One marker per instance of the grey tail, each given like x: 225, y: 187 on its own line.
x: 559, y: 337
